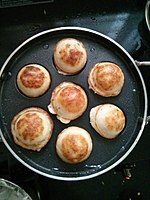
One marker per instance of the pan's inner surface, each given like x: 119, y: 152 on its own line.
x: 105, y: 152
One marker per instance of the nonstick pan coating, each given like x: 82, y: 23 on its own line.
x: 132, y: 100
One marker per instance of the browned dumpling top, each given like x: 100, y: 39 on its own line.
x: 106, y: 79
x: 108, y: 120
x: 33, y: 80
x: 70, y: 56
x: 32, y: 128
x: 74, y: 145
x: 68, y: 101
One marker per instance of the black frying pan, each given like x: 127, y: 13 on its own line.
x: 132, y: 100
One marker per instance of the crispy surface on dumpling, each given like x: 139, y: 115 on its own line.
x: 70, y: 56
x: 74, y: 145
x: 33, y: 80
x: 106, y: 79
x: 108, y: 120
x: 32, y: 128
x: 68, y: 101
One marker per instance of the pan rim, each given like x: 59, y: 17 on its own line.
x: 147, y: 13
x: 145, y: 104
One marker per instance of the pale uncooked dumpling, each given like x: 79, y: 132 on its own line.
x: 108, y: 120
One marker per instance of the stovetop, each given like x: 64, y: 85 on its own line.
x: 124, y: 22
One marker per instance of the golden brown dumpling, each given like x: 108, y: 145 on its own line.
x: 70, y: 56
x: 106, y: 79
x: 32, y: 128
x: 68, y: 102
x: 108, y: 120
x: 74, y: 145
x: 33, y: 80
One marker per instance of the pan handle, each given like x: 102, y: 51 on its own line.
x: 147, y: 120
x: 142, y: 63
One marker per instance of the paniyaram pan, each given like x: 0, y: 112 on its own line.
x: 132, y: 100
